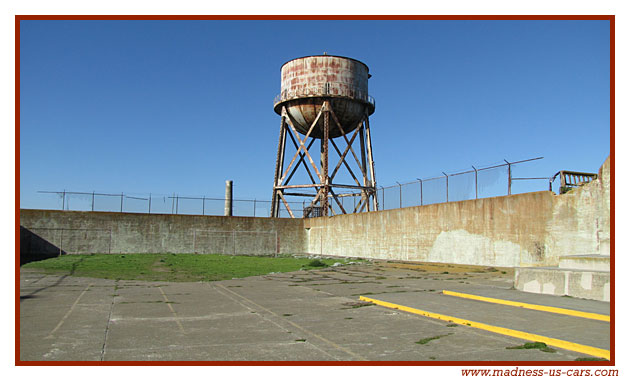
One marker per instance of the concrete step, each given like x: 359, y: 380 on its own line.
x: 593, y: 262
x: 587, y: 284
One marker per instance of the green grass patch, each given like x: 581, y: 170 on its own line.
x: 172, y: 267
x: 317, y: 263
x: 536, y: 345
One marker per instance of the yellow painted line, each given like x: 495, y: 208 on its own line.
x: 555, y: 310
x: 575, y: 347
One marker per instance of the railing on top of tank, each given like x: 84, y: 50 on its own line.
x: 324, y: 89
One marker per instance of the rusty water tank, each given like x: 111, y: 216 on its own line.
x: 308, y: 81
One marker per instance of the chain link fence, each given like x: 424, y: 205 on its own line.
x: 490, y: 181
x: 159, y: 204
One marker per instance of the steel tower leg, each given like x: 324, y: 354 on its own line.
x: 324, y: 160
x: 282, y: 140
x: 371, y: 161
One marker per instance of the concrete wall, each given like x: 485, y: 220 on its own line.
x: 499, y: 231
x: 104, y: 232
x: 581, y: 219
x: 531, y: 229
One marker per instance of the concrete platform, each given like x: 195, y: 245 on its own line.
x: 564, y: 282
x: 300, y: 316
x: 580, y: 276
x: 593, y: 262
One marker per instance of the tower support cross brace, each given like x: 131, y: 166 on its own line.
x: 326, y: 191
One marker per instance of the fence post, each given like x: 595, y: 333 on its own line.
x: 446, y: 186
x: 475, y: 180
x: 203, y: 206
x: 149, y: 203
x: 254, y: 207
x: 92, y: 200
x: 509, y: 177
x: 399, y: 195
x: 121, y: 202
x: 63, y: 200
x: 383, y: 188
x: 177, y: 204
x: 420, y: 190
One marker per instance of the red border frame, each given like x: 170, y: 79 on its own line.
x: 18, y: 18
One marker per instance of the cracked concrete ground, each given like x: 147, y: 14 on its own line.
x: 301, y: 316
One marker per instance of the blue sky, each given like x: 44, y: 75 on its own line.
x: 181, y: 106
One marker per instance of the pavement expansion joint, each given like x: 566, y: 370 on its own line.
x: 277, y: 319
x: 109, y: 320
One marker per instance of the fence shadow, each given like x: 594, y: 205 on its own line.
x: 35, y: 248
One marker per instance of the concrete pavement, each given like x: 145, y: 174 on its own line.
x: 306, y: 316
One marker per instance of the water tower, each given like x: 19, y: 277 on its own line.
x: 324, y: 99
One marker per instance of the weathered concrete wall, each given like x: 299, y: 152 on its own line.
x: 581, y: 219
x: 103, y: 232
x: 499, y: 231
x: 531, y: 229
